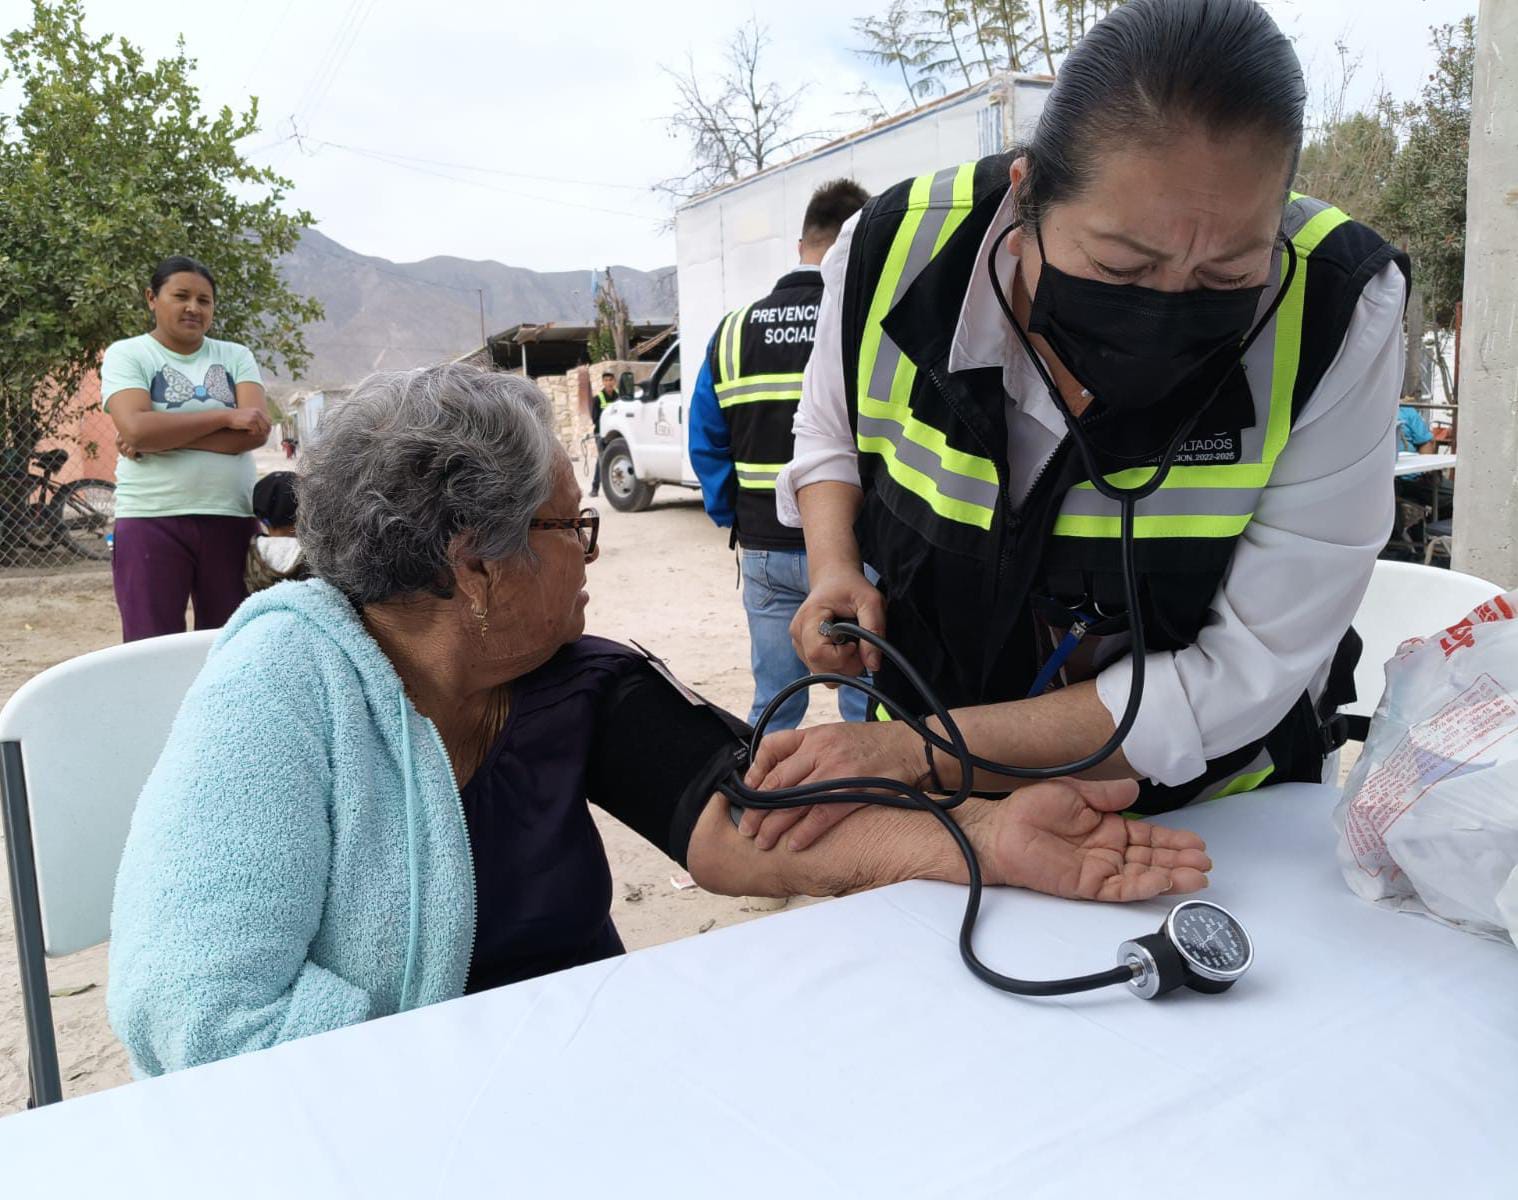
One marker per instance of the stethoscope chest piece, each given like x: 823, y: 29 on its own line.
x: 1201, y: 945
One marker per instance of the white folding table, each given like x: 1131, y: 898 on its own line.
x: 842, y: 1050
x: 1417, y: 464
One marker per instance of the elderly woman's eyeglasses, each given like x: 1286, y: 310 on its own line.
x: 587, y: 527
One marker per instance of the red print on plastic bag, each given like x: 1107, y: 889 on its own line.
x: 1460, y: 637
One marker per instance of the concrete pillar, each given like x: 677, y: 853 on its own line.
x: 1486, y: 483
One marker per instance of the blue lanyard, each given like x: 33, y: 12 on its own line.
x: 1063, y: 651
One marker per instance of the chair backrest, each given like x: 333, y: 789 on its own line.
x: 90, y: 730
x: 1407, y: 600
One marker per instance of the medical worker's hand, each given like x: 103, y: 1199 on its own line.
x: 841, y: 593
x: 879, y: 750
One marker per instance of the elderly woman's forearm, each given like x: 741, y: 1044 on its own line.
x: 873, y: 848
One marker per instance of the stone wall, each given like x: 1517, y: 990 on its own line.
x: 570, y: 395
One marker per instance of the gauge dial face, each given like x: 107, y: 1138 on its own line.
x: 1210, y: 939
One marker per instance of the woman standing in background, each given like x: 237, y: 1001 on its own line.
x: 189, y: 410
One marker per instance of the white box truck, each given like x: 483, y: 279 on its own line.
x: 733, y: 243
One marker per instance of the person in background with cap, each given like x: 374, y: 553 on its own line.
x: 274, y: 556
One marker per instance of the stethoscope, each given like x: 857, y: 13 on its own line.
x: 1199, y: 945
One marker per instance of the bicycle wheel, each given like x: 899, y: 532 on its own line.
x: 85, y: 515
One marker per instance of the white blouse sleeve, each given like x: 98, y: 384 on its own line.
x: 824, y: 440
x: 1298, y: 572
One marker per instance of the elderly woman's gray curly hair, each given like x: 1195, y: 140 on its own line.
x: 412, y: 458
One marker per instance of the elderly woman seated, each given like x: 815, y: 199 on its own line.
x: 423, y: 830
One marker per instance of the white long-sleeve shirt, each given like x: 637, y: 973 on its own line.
x: 1299, y: 570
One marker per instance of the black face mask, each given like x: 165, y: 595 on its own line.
x: 1132, y: 347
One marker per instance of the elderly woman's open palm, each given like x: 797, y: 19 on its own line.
x: 1068, y: 837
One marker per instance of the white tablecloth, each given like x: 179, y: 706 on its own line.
x: 842, y: 1050
x: 1416, y: 464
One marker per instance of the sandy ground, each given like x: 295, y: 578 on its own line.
x: 665, y: 577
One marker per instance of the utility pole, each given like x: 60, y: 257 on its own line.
x: 484, y: 341
x: 1486, y: 483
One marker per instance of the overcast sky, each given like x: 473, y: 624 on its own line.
x: 530, y: 132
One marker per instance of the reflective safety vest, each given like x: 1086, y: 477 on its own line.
x: 603, y: 401
x: 757, y: 360
x: 974, y: 585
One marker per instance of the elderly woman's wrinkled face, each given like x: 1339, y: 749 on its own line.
x: 538, y: 606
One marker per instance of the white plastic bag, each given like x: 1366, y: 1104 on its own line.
x: 1429, y: 818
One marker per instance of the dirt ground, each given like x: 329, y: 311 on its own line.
x: 665, y: 578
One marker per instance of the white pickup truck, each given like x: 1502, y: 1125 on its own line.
x: 644, y: 439
x: 732, y: 244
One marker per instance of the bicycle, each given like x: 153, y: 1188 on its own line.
x: 38, y: 513
x: 586, y: 454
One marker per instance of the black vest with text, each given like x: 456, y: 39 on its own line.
x: 757, y: 359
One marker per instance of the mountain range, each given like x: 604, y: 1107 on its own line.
x: 387, y: 314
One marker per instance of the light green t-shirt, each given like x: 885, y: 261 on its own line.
x: 180, y: 483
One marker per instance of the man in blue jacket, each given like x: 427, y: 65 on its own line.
x: 741, y: 410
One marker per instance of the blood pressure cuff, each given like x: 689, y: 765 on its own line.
x: 659, y: 752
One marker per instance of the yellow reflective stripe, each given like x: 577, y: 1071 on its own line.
x: 929, y: 438
x: 1246, y: 783
x: 758, y: 477
x: 897, y: 409
x: 964, y: 197
x: 881, y: 714
x: 732, y: 344
x: 738, y: 338
x: 1289, y: 331
x: 724, y: 367
x: 1153, y: 527
x: 744, y: 380
x: 885, y: 290
x: 924, y: 488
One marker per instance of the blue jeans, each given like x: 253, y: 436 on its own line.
x: 774, y: 585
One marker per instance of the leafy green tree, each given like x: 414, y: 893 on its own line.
x: 1349, y: 161
x: 898, y: 38
x: 108, y: 166
x: 938, y: 44
x: 1424, y: 202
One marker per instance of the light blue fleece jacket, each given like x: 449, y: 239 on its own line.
x: 298, y: 859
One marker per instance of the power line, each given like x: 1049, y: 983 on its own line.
x: 328, y: 55
x: 554, y: 200
x: 434, y: 162
x: 261, y: 57
x: 361, y: 17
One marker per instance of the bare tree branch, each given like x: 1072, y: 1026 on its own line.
x: 737, y: 122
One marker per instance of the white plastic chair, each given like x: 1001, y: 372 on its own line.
x: 1406, y: 600
x: 76, y: 745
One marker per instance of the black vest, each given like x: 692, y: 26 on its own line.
x: 973, y: 584
x: 757, y: 359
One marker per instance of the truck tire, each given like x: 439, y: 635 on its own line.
x: 625, y: 491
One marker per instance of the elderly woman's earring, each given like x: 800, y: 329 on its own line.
x: 483, y: 618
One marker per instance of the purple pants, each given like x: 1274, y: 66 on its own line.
x: 160, y: 564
